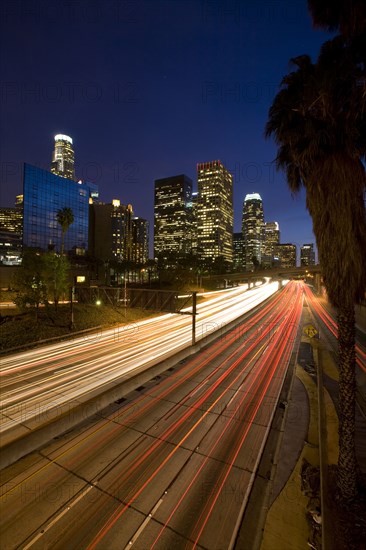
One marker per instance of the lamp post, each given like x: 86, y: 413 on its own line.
x: 72, y: 292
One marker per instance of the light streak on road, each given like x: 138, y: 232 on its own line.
x: 265, y: 373
x: 331, y: 324
x: 220, y: 402
x: 138, y: 409
x: 43, y: 381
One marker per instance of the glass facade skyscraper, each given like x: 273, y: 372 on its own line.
x: 215, y: 216
x: 253, y: 230
x: 63, y: 159
x: 46, y: 193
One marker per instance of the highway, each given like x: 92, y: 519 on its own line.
x: 169, y: 466
x: 329, y: 323
x: 42, y: 384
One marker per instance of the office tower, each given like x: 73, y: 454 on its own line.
x: 193, y: 218
x: 214, y: 211
x: 271, y: 237
x: 172, y: 217
x: 11, y: 219
x: 307, y: 254
x: 284, y: 255
x: 238, y: 252
x: 45, y: 194
x: 63, y: 157
x: 11, y: 229
x: 140, y: 240
x: 110, y: 231
x: 253, y: 230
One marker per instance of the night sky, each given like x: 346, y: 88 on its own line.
x: 149, y: 88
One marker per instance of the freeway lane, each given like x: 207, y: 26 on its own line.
x: 330, y: 323
x: 171, y: 466
x: 39, y: 385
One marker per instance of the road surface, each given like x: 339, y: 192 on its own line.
x: 171, y: 465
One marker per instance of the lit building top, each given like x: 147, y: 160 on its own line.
x: 252, y: 197
x: 62, y: 137
x: 63, y: 158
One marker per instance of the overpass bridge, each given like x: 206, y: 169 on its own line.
x: 275, y: 273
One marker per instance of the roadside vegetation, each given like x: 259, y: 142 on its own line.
x: 20, y: 328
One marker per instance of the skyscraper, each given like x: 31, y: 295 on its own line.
x: 63, y: 157
x: 253, y: 230
x: 307, y: 254
x: 140, y: 240
x: 193, y: 221
x: 172, y: 216
x: 110, y: 231
x: 215, y: 211
x: 271, y: 238
x: 284, y: 255
x: 238, y: 252
x: 11, y: 229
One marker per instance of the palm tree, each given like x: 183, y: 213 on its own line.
x: 65, y: 218
x: 318, y: 121
x: 346, y: 16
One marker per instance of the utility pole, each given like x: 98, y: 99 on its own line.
x: 194, y: 313
x: 125, y: 295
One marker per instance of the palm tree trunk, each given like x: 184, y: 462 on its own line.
x: 62, y: 243
x: 347, y: 464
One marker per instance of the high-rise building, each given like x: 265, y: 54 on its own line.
x: 238, y: 252
x: 307, y: 254
x: 11, y: 229
x: 253, y: 230
x: 271, y: 238
x: 215, y: 211
x: 193, y: 221
x: 284, y: 255
x: 140, y: 240
x: 172, y: 216
x: 110, y: 231
x: 63, y: 159
x: 45, y: 194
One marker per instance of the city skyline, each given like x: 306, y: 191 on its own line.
x: 151, y: 93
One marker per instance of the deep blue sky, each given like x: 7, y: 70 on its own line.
x: 149, y: 88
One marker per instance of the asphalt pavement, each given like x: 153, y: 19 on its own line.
x: 283, y: 512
